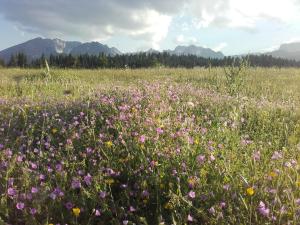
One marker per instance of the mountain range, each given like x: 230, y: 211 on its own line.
x: 37, y: 47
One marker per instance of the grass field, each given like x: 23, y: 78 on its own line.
x: 154, y: 146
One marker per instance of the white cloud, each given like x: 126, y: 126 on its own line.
x: 220, y: 47
x: 242, y: 13
x: 181, y: 39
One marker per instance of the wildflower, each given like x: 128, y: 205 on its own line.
x: 190, y: 218
x: 125, y: 222
x: 34, y: 190
x: 54, y: 130
x: 226, y: 187
x: 76, y: 184
x: 109, y: 144
x: 145, y: 194
x: 69, y: 205
x: 11, y: 192
x: 256, y: 156
x: 201, y: 159
x: 132, y: 209
x: 276, y: 155
x: 33, y: 211
x: 88, y: 179
x: 102, y: 194
x: 159, y: 130
x: 192, y: 194
x: 20, y: 205
x: 250, y: 191
x: 212, y: 210
x: 142, y: 139
x: 97, y: 212
x: 110, y: 181
x: 263, y: 210
x: 76, y: 211
x: 273, y: 174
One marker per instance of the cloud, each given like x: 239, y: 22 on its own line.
x: 220, y: 47
x: 181, y: 39
x: 93, y: 19
x: 242, y: 13
x: 145, y: 20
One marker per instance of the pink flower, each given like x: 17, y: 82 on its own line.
x: 263, y: 210
x: 201, y: 159
x: 142, y: 139
x: 159, y: 130
x: 276, y: 155
x: 20, y: 205
x: 192, y: 194
x: 190, y: 218
x: 97, y: 212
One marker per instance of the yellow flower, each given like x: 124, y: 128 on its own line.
x: 54, y: 130
x: 50, y: 224
x: 110, y: 181
x: 250, y: 191
x: 109, y: 144
x: 196, y: 142
x: 76, y: 211
x: 298, y: 183
x: 273, y: 174
x: 168, y: 206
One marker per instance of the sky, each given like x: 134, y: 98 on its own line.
x: 231, y: 26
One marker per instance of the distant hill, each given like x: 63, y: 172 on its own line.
x: 198, y: 51
x: 94, y: 48
x: 35, y: 48
x: 287, y: 51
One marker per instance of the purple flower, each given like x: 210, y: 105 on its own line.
x: 34, y: 166
x: 59, y: 167
x: 1, y: 146
x: 88, y: 179
x: 142, y: 139
x: 222, y: 205
x: 297, y: 201
x: 226, y: 187
x: 102, y: 194
x: 212, y: 210
x: 11, y: 192
x: 33, y: 211
x: 125, y: 222
x: 76, y: 184
x: 145, y: 194
x: 34, y: 190
x: 276, y: 155
x: 56, y: 193
x: 263, y: 210
x: 69, y: 205
x: 192, y: 194
x: 201, y: 159
x: 20, y: 205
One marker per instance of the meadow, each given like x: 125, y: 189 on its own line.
x: 150, y: 146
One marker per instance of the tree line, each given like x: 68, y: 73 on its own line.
x: 143, y: 60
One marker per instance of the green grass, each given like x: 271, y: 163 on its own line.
x: 150, y: 139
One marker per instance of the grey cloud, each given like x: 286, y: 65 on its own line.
x: 86, y: 19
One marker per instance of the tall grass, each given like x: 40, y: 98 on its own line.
x: 157, y: 146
